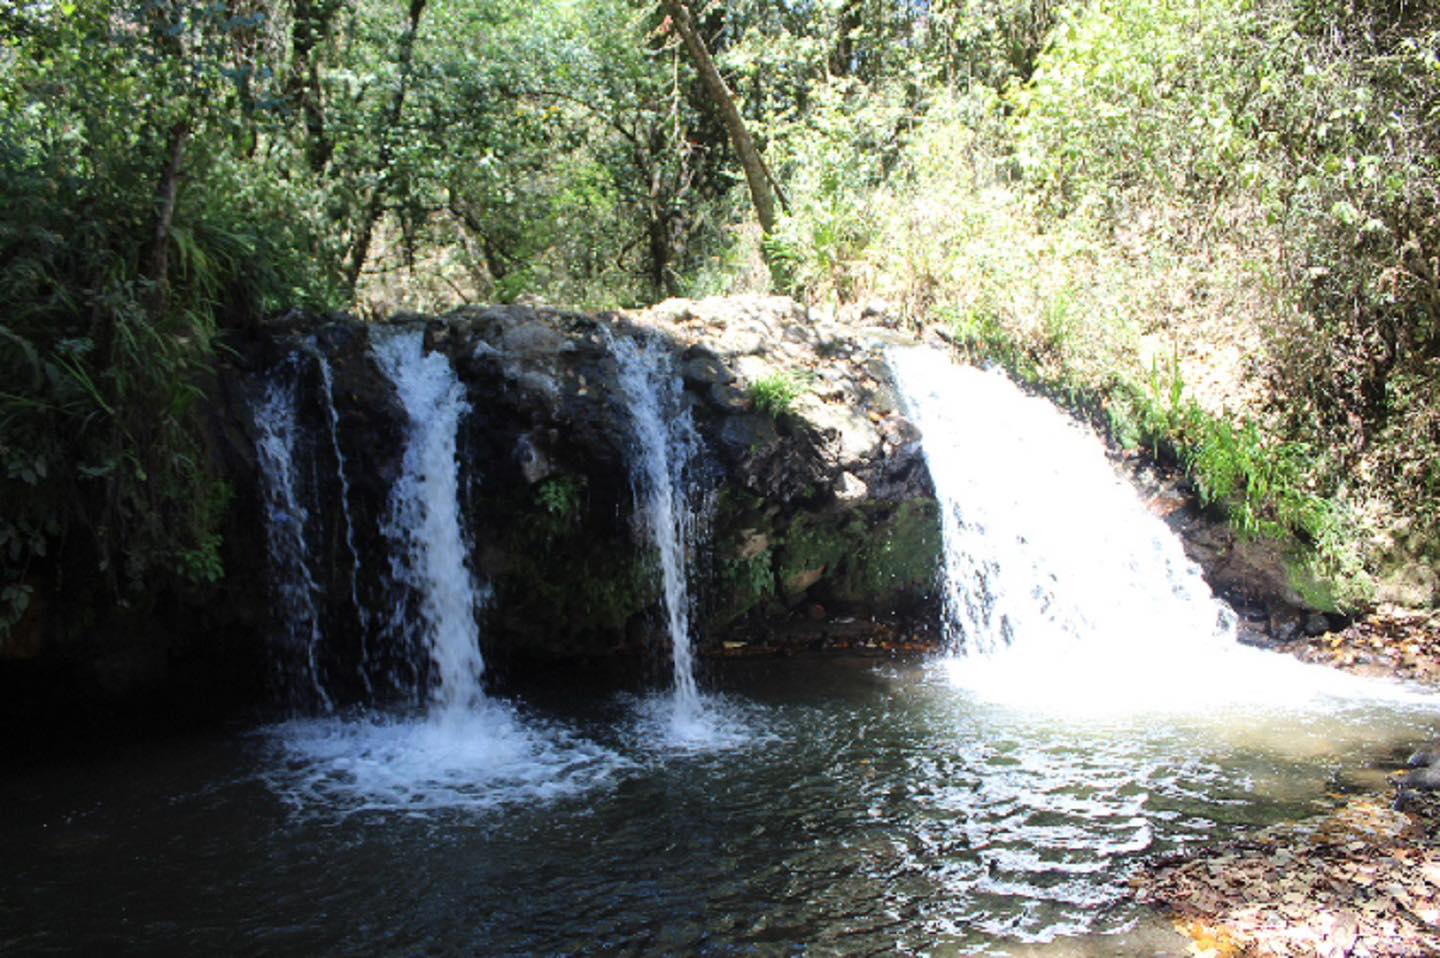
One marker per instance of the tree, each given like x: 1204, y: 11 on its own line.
x: 763, y: 190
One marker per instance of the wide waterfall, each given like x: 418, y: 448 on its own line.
x: 1060, y: 590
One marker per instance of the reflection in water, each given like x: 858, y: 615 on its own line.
x: 870, y: 811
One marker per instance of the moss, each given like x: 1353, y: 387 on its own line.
x: 1346, y: 589
x: 867, y: 555
x: 562, y: 592
x: 742, y: 585
x: 1315, y: 592
x: 816, y: 544
x: 901, y: 553
x: 561, y: 568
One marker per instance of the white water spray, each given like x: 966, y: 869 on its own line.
x: 276, y: 442
x: 1060, y: 591
x: 424, y: 524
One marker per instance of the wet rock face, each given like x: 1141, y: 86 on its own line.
x: 1260, y: 580
x: 817, y: 524
x: 811, y: 512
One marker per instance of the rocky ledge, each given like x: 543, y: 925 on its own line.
x: 816, y: 522
x: 816, y: 526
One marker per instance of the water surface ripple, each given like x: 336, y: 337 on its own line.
x: 873, y: 810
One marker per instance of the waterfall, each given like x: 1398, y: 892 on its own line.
x: 467, y: 750
x: 276, y: 446
x: 666, y: 442
x: 1059, y: 588
x: 431, y: 557
x: 362, y: 615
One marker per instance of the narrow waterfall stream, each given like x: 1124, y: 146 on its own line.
x: 431, y: 557
x: 332, y: 418
x: 661, y: 467
x: 666, y: 441
x: 287, y: 538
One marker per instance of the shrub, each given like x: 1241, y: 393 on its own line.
x: 775, y: 394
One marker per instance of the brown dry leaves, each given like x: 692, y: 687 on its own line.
x: 1364, y: 881
x: 1390, y: 642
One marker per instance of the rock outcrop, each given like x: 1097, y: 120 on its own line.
x: 818, y: 524
x: 818, y: 527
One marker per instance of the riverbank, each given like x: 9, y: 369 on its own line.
x: 1362, y: 880
x: 1390, y: 642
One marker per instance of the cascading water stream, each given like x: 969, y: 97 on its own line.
x: 286, y: 517
x: 666, y: 441
x: 662, y: 467
x: 431, y: 556
x: 467, y: 750
x: 1060, y: 590
x: 362, y: 614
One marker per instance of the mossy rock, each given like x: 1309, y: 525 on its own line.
x: 866, y: 557
x: 816, y: 546
x: 1343, y: 591
x: 740, y: 586
x: 564, y: 580
x: 901, y: 553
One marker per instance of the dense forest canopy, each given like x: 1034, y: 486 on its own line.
x: 1211, y: 224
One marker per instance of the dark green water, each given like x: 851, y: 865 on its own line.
x: 858, y: 810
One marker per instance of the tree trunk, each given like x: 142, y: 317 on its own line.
x: 167, y: 192
x: 842, y: 54
x: 310, y: 27
x: 756, y: 175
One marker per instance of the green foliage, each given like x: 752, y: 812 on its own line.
x: 752, y: 579
x: 1070, y: 187
x: 1135, y: 94
x: 775, y: 394
x: 107, y: 347
x: 560, y: 497
x: 169, y: 171
x: 1247, y: 186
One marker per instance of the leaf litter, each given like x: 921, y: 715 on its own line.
x: 1362, y: 881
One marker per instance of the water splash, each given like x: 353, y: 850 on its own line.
x: 1060, y: 590
x: 286, y: 518
x: 474, y: 761
x: 431, y: 558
